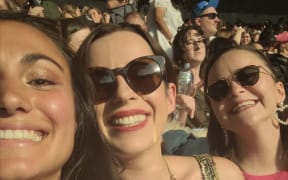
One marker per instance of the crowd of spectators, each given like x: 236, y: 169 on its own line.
x: 193, y: 32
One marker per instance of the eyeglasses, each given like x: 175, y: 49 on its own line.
x: 210, y: 15
x: 192, y: 44
x: 143, y: 75
x: 247, y: 76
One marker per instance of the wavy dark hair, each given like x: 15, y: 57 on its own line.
x: 216, y: 136
x: 88, y: 144
x: 179, y: 42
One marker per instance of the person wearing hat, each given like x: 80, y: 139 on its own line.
x: 282, y: 39
x: 205, y: 15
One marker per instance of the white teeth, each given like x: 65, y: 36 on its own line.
x: 243, y: 105
x: 20, y: 135
x: 129, y: 120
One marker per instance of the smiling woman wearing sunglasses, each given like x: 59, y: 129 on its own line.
x: 248, y: 121
x: 135, y: 93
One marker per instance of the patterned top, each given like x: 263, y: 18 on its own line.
x: 207, y: 166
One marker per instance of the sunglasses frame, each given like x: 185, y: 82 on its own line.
x: 210, y: 16
x: 159, y: 60
x: 235, y: 77
x: 194, y: 43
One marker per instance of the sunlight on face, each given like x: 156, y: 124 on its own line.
x: 37, y: 118
x: 131, y: 123
x: 244, y: 106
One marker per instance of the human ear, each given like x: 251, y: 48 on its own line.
x: 281, y: 94
x: 171, y: 97
x: 197, y: 21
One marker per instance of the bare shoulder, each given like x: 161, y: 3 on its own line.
x: 184, y: 167
x: 187, y: 168
x: 226, y: 169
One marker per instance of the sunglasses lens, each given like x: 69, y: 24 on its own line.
x: 212, y: 16
x: 218, y: 90
x: 144, y: 76
x: 248, y: 76
x: 104, y: 84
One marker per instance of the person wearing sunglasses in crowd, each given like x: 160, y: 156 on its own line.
x: 189, y: 46
x: 205, y: 15
x: 248, y: 121
x: 135, y: 93
x: 46, y: 115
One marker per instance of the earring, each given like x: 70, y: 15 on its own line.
x: 282, y: 113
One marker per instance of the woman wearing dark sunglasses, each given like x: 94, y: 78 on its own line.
x: 247, y: 125
x: 135, y: 93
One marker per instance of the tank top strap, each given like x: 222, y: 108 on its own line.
x: 207, y: 166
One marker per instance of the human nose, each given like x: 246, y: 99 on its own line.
x: 196, y: 46
x: 13, y: 100
x: 217, y: 19
x: 235, y: 88
x: 123, y: 92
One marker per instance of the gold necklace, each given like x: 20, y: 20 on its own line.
x: 172, y: 177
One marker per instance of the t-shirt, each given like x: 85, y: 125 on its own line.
x: 172, y: 18
x: 281, y: 175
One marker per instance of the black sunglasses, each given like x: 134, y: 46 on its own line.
x: 143, y: 75
x: 247, y: 76
x: 210, y: 15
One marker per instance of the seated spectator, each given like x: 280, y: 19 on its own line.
x: 245, y: 38
x: 96, y: 15
x: 189, y: 46
x: 248, y: 124
x: 205, y: 15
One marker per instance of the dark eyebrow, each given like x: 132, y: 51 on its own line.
x: 32, y: 58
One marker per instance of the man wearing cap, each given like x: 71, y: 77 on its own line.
x: 205, y: 15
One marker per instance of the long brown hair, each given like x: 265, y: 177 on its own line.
x: 216, y: 136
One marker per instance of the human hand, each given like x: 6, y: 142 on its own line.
x: 187, y: 103
x: 106, y: 17
x: 36, y: 11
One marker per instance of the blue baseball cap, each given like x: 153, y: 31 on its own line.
x: 202, y: 5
